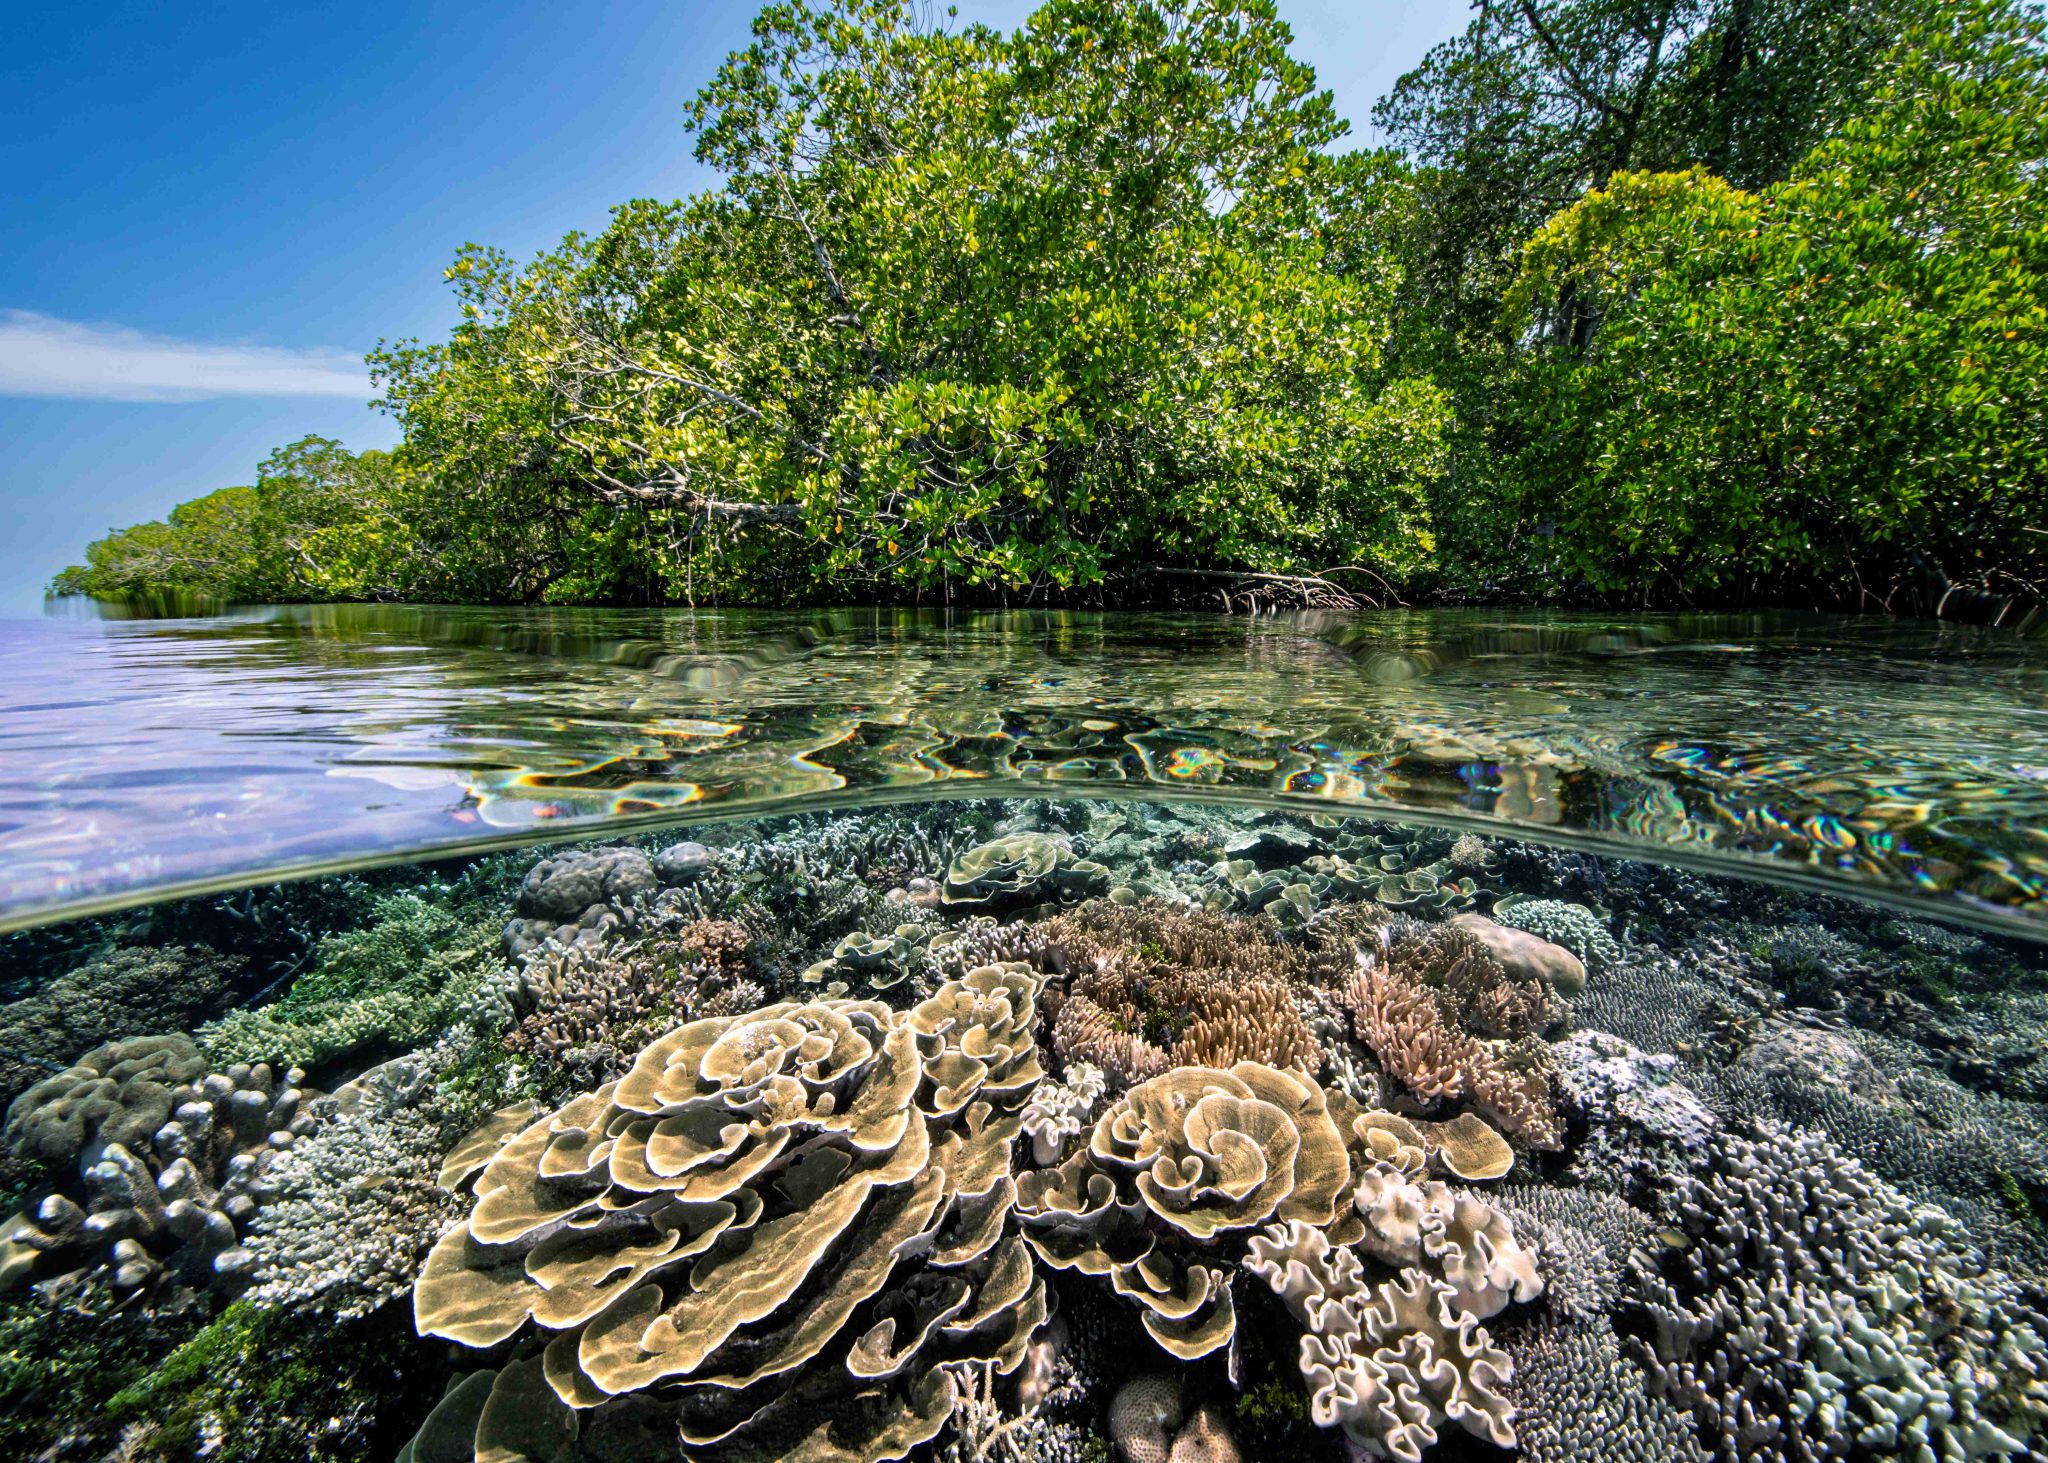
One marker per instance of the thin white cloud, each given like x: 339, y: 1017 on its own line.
x: 41, y: 355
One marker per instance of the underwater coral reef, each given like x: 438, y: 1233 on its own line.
x: 1039, y: 1131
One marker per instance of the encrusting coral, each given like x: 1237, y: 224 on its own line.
x: 778, y: 1229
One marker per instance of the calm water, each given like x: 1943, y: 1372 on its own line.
x: 143, y: 757
x: 1029, y: 1037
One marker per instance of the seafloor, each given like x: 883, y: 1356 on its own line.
x: 1024, y: 1131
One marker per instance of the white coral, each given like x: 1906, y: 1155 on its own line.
x: 1472, y: 1243
x: 1061, y: 1110
x: 1393, y: 1366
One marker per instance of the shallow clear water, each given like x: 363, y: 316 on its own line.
x: 141, y: 757
x: 952, y: 1125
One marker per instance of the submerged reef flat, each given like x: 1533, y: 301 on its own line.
x: 1034, y: 1131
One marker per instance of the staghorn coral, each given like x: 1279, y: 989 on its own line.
x: 1811, y: 1312
x: 776, y: 1230
x: 124, y: 992
x: 1254, y: 1021
x: 983, y: 1429
x: 1176, y: 1175
x: 1084, y: 1032
x: 1185, y: 987
x: 595, y: 1005
x: 393, y: 984
x: 1476, y: 989
x: 1403, y: 1024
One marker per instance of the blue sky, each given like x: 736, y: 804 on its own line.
x: 212, y: 210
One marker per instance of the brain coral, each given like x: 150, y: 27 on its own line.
x: 1175, y: 1176
x: 776, y: 1228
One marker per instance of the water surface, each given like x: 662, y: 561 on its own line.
x: 140, y: 758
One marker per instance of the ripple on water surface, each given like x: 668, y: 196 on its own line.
x: 143, y: 757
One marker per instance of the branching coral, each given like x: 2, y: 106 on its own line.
x: 1403, y: 1024
x: 1813, y: 1313
x: 1475, y: 988
x: 1176, y: 1175
x: 393, y: 984
x: 595, y: 1005
x: 779, y: 1229
x: 1084, y: 1032
x: 1164, y: 986
x: 352, y: 1208
x: 125, y: 992
x: 1575, y: 927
